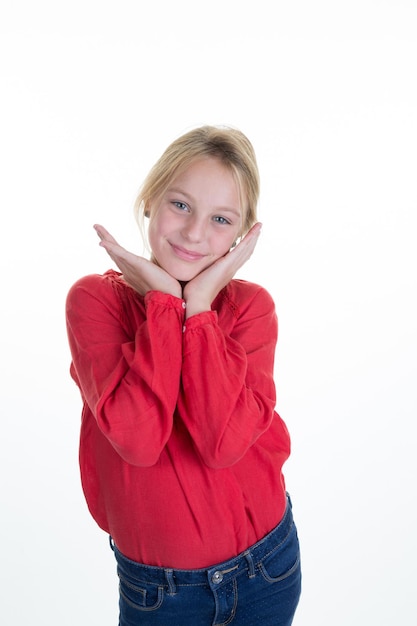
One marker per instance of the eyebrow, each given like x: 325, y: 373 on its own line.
x: 224, y: 209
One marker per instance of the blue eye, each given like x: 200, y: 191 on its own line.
x: 180, y: 205
x: 221, y: 220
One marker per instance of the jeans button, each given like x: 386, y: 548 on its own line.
x: 217, y: 577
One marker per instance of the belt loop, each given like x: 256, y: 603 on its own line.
x: 111, y: 542
x: 251, y: 565
x: 169, y: 575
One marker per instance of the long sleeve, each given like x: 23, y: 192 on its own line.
x: 178, y: 421
x: 228, y: 393
x: 128, y: 372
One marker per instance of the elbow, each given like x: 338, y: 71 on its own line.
x: 221, y: 458
x: 137, y: 448
x: 138, y: 457
x: 137, y: 442
x: 218, y: 464
x: 232, y: 446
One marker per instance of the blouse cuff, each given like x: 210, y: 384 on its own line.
x: 164, y: 299
x: 197, y: 321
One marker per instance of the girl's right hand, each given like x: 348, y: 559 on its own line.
x: 138, y: 272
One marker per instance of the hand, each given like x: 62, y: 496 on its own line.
x: 200, y: 292
x: 138, y: 272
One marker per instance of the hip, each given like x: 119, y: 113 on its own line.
x: 260, y: 585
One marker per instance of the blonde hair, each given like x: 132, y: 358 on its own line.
x: 229, y: 145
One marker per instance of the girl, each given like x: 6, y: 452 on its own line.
x: 181, y: 449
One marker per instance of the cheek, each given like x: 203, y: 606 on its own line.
x: 155, y: 242
x: 230, y: 238
x: 161, y: 222
x: 155, y: 230
x: 222, y: 246
x: 151, y: 236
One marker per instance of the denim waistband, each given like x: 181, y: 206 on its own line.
x: 215, y: 574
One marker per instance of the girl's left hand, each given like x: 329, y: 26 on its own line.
x: 200, y: 292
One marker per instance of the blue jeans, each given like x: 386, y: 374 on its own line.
x: 260, y: 586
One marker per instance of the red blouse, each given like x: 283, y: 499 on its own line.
x: 180, y: 450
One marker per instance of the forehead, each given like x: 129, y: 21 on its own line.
x: 209, y: 182
x: 202, y: 164
x: 203, y: 171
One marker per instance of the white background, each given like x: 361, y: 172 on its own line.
x: 92, y: 92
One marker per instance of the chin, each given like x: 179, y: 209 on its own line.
x: 184, y: 277
x: 184, y: 274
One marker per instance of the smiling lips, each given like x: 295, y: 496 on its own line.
x: 186, y: 255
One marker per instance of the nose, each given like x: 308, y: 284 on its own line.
x: 194, y: 229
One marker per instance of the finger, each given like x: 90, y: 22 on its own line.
x: 256, y: 228
x: 254, y: 232
x: 110, y: 251
x: 121, y: 262
x: 104, y: 234
x: 116, y: 252
x: 247, y: 245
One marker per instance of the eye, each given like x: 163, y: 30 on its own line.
x: 221, y: 220
x: 180, y: 205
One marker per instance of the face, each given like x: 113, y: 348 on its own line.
x: 197, y: 220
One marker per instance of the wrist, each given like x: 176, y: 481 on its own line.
x: 193, y: 308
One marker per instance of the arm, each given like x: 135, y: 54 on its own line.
x: 227, y: 397
x: 128, y: 377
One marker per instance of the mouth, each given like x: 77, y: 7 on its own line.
x: 186, y: 255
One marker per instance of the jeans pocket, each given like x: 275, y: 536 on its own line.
x: 141, y: 598
x: 283, y: 562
